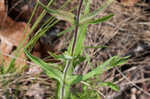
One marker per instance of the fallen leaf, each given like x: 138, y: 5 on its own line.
x: 11, y: 35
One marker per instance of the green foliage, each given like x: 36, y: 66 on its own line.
x: 97, y: 21
x: 86, y: 94
x: 87, y: 18
x: 91, y: 15
x: 109, y: 64
x: 52, y: 72
x: 110, y: 85
x: 70, y: 58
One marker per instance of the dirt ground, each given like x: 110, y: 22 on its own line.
x: 127, y: 33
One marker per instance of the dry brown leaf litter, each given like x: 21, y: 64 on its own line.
x: 11, y: 35
x: 127, y: 33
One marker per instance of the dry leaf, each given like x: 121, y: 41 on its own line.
x: 129, y: 2
x: 11, y: 35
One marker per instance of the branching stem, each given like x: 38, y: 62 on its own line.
x: 62, y: 91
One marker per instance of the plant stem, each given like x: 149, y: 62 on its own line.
x: 77, y: 26
x: 64, y: 79
x: 62, y: 90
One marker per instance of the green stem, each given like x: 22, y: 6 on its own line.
x: 76, y: 28
x: 63, y: 89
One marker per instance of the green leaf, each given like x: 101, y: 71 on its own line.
x: 81, y: 33
x: 66, y: 30
x: 97, y: 21
x: 109, y: 64
x: 112, y: 62
x: 64, y: 56
x: 91, y: 15
x: 78, y: 60
x: 60, y: 14
x: 111, y: 85
x: 87, y: 6
x: 55, y: 55
x: 50, y: 71
x: 80, y: 41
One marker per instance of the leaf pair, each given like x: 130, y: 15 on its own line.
x: 85, y: 19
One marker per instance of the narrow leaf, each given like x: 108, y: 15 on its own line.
x: 97, y: 21
x: 50, y: 71
x: 61, y: 56
x: 60, y: 14
x: 112, y: 62
x: 111, y: 85
x: 66, y: 30
x: 109, y: 64
x: 91, y: 15
x: 80, y: 41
